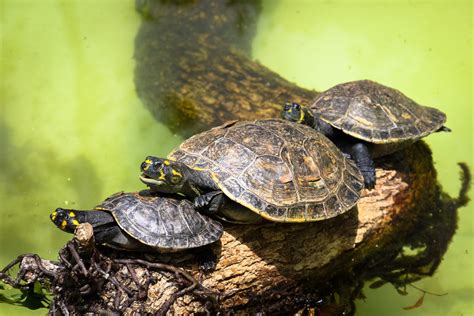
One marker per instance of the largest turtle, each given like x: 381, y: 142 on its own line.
x: 367, y: 120
x: 283, y: 171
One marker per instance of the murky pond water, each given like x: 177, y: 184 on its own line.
x: 73, y: 131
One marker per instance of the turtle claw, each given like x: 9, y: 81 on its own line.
x: 369, y: 179
x: 201, y: 201
x: 212, y: 201
x: 346, y: 155
x: 208, y: 266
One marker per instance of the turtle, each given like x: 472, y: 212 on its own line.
x: 367, y: 120
x: 142, y: 221
x: 281, y: 171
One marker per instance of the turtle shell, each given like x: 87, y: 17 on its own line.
x: 162, y: 222
x: 376, y: 113
x: 282, y: 170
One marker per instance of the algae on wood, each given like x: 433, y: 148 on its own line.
x: 193, y: 69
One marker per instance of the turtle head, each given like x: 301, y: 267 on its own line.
x: 163, y: 175
x: 295, y: 112
x: 64, y: 219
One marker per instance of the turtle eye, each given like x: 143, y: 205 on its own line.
x: 296, y: 106
x: 144, y: 166
x: 287, y: 106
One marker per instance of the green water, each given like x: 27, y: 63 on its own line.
x: 72, y: 130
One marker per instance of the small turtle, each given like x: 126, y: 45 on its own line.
x: 367, y: 120
x: 283, y: 171
x: 143, y: 222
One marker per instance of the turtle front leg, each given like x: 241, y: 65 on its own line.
x: 361, y: 155
x: 206, y: 258
x: 210, y: 202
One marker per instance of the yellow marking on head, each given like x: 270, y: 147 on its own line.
x: 162, y: 175
x: 301, y: 115
x: 148, y: 164
x: 63, y: 225
x: 167, y: 162
x: 75, y: 222
x: 72, y: 214
x: 176, y: 173
x: 53, y: 215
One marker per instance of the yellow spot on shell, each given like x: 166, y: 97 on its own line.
x: 75, y: 222
x: 72, y: 214
x: 167, y: 162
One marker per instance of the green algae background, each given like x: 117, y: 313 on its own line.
x: 72, y: 130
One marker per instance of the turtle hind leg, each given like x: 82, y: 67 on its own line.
x: 361, y: 155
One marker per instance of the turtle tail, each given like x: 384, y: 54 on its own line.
x: 443, y: 129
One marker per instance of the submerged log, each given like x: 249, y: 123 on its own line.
x: 193, y: 67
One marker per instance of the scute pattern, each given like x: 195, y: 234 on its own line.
x: 282, y: 170
x: 162, y: 222
x: 376, y: 113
